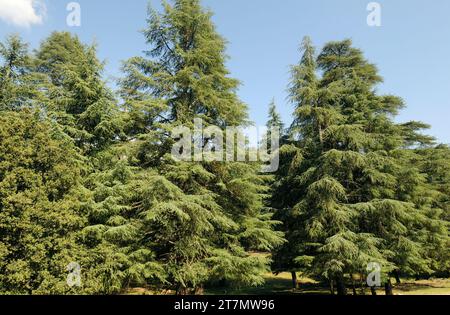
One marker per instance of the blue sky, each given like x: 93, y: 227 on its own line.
x: 411, y: 48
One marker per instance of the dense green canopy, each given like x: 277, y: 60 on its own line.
x: 87, y: 175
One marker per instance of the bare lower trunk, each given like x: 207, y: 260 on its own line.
x: 354, y: 287
x: 388, y: 287
x: 294, y: 280
x: 331, y: 287
x: 320, y: 131
x: 340, y: 286
x: 397, y: 276
x: 362, y: 284
x: 373, y: 291
x: 182, y: 291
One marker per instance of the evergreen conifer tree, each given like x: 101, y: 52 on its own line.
x: 77, y: 96
x: 344, y: 172
x: 17, y: 88
x: 200, y: 220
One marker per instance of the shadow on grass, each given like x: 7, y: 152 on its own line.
x: 274, y: 285
x: 282, y: 285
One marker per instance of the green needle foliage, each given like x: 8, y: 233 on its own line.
x: 199, y: 220
x: 76, y: 95
x: 354, y: 197
x: 433, y: 163
x: 17, y: 78
x: 88, y: 176
x: 40, y: 214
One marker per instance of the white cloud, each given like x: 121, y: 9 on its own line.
x: 22, y: 12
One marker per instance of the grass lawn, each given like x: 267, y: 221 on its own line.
x: 424, y: 287
x: 282, y: 285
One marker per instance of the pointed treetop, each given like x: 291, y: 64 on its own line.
x: 309, y: 52
x: 274, y: 117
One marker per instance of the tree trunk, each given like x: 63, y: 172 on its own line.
x: 294, y: 280
x: 354, y: 287
x: 397, y: 277
x: 182, y: 291
x: 331, y: 287
x: 320, y: 131
x: 372, y: 289
x: 340, y: 285
x: 362, y: 284
x: 388, y: 287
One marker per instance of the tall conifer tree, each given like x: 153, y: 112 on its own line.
x: 345, y: 172
x: 77, y: 96
x: 199, y: 219
x: 17, y: 88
